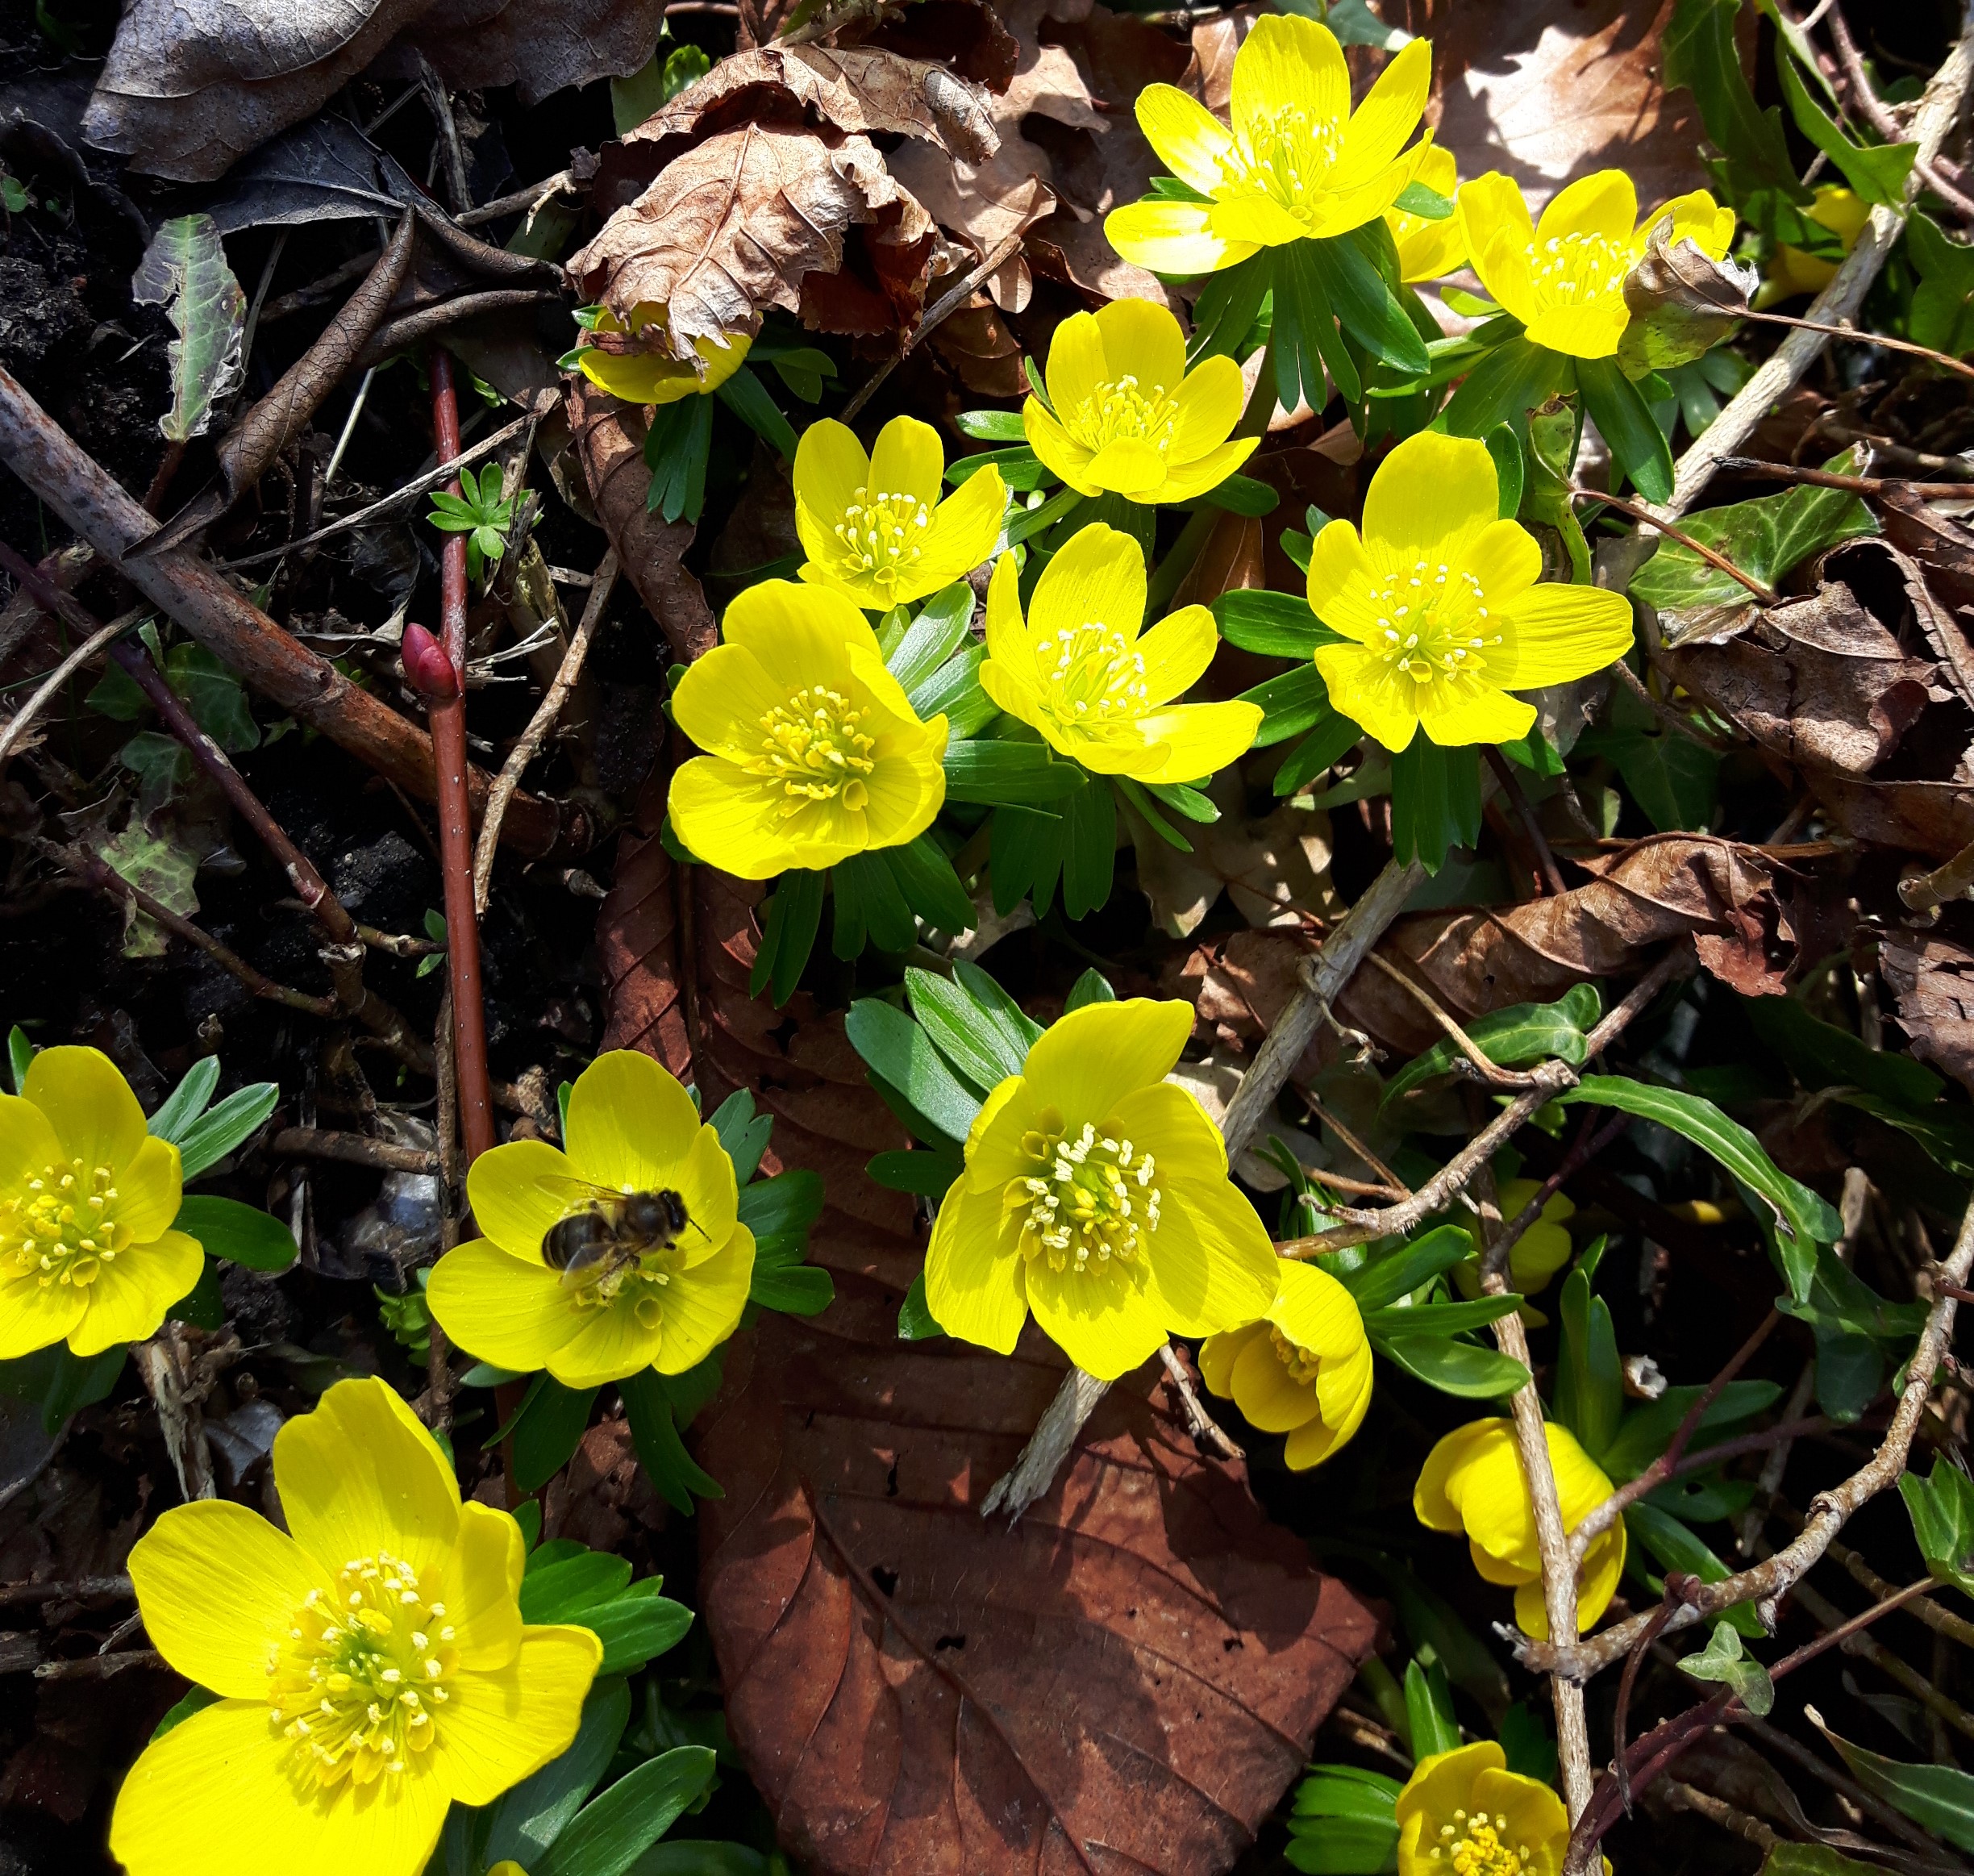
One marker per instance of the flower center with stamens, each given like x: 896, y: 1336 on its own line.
x: 1432, y: 623
x: 1473, y: 1845
x: 1091, y: 1198
x: 1122, y: 409
x: 1093, y: 673
x: 1289, y: 155
x: 1575, y: 269
x: 60, y: 1226
x: 814, y: 745
x: 882, y: 535
x: 1303, y: 1367
x: 638, y: 1283
x: 358, y: 1687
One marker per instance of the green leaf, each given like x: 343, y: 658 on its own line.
x: 1876, y: 172
x: 1503, y: 384
x: 201, y: 1305
x: 1400, y: 1269
x: 991, y: 426
x: 1019, y: 1031
x: 700, y: 1856
x: 1512, y: 1038
x: 240, y: 1233
x: 1022, y: 470
x: 635, y: 1626
x: 196, y: 1700
x: 1307, y: 341
x: 185, y: 271
x: 559, y: 1588
x: 939, y: 630
x: 1439, y: 1318
x: 1939, y: 1798
x: 950, y: 1016
x: 1460, y: 1369
x: 1722, y: 1661
x: 743, y: 1135
x: 20, y: 1056
x: 789, y: 1202
x: 930, y: 1174
x: 897, y: 1048
x: 1589, y: 1382
x: 916, y: 1322
x: 1429, y: 1710
x: 1091, y: 987
x: 748, y: 398
x: 927, y: 882
x: 546, y: 1432
x: 994, y: 772
x: 1647, y: 1429
x: 1429, y: 205
x: 1823, y: 1055
x: 1802, y: 1220
x: 1676, y: 781
x: 654, y: 1430
x: 214, y: 1134
x: 1292, y: 704
x: 1344, y: 1823
x: 185, y: 1102
x: 612, y: 1832
x: 1243, y: 495
x: 1637, y: 445
x: 1364, y: 305
x: 1435, y: 801
x: 1677, y: 1546
x: 868, y: 900
x: 1321, y: 748
x: 525, y: 1821
x: 63, y: 1382
x: 794, y: 916
x: 1942, y: 314
x: 1942, y: 1517
x: 1767, y: 537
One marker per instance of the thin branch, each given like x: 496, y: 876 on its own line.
x: 1491, y: 1072
x: 1206, y: 1430
x: 1713, y: 557
x: 355, y: 1149
x: 1673, y: 720
x: 1871, y: 108
x: 16, y: 727
x: 1817, y: 478
x: 1827, y: 1615
x: 1525, y: 812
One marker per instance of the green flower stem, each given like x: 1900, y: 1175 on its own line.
x: 1184, y: 552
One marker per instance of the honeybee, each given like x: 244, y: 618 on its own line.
x: 613, y: 1232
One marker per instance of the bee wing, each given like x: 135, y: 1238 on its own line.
x: 579, y: 1188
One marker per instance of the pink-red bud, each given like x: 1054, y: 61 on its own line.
x: 431, y: 673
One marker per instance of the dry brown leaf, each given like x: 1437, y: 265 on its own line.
x: 1933, y: 980
x: 966, y: 35
x: 1214, y: 44
x: 985, y: 355
x: 859, y: 89
x: 190, y: 86
x: 736, y: 225
x: 476, y: 44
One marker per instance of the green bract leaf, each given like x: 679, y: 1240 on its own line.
x: 226, y: 1228
x: 525, y: 1821
x: 993, y: 772
x: 1344, y: 1823
x: 185, y: 1102
x: 1277, y: 625
x: 1943, y: 1515
x: 1722, y: 1661
x: 1512, y: 1038
x: 211, y: 1136
x: 1461, y: 1369
x: 895, y: 1048
x: 1941, y: 1797
x: 610, y: 1833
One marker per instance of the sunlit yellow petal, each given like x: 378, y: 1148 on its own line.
x: 482, y: 1580
x: 27, y: 1143
x: 1198, y: 741
x: 973, y: 1271
x: 1142, y: 340
x: 500, y: 1726
x: 1288, y: 64
x: 518, y: 1190
x: 1098, y: 575
x: 130, y: 1296
x: 1176, y: 652
x: 1231, y: 1278
x: 1219, y: 1354
x: 1364, y: 687
x: 1107, y: 1320
x: 965, y: 528
x: 798, y: 633
x: 1086, y: 1062
x: 1316, y: 1312
x: 1429, y: 499
x: 1076, y: 365
x: 1552, y: 633
x: 149, y: 1190
x: 720, y: 811
x: 1060, y: 451
x: 1604, y: 203
x: 908, y: 459
x: 702, y: 1307
x: 1172, y: 237
x: 32, y: 1317
x: 1455, y: 714
x: 722, y: 699
x: 1191, y: 142
x: 608, y: 1344
x: 89, y: 1104
x: 1209, y: 403
x: 511, y: 1311
x: 631, y: 1124
x: 1592, y: 330
x: 829, y: 468
x: 1127, y: 465
x: 1495, y: 221
x: 1382, y: 125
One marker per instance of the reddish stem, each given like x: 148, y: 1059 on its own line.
x: 456, y: 829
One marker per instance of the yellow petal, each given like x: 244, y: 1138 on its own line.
x: 908, y: 459
x: 1443, y: 1782
x: 1261, y: 221
x: 520, y: 1189
x: 1426, y: 250
x: 1176, y: 652
x: 705, y: 1181
x: 829, y: 468
x: 1389, y: 113
x: 512, y: 1311
x: 1212, y: 1258
x: 1504, y: 561
x: 482, y: 1579
x: 906, y: 793
x: 965, y: 528
x: 1697, y: 217
x: 1604, y: 203
x: 1008, y: 644
x: 1316, y: 1312
x: 1098, y: 578
x: 1455, y: 714
x: 130, y: 1296
x: 799, y: 633
x: 1364, y: 688
x: 89, y: 1104
x: 608, y: 1344
x: 1127, y: 465
x: 719, y: 811
x: 1596, y: 1583
x: 1218, y: 1354
x: 1076, y: 364
x: 1429, y: 499
x: 1196, y: 740
x: 32, y: 1317
x: 1590, y: 331
x: 1497, y: 232
x: 1340, y: 580
x: 214, y: 1797
x: 27, y: 1143
x: 973, y: 1271
x: 631, y: 1124
x: 360, y: 1475
x: 1088, y: 1061
x: 1103, y: 1317
x: 1434, y: 1499
x: 1191, y: 142
x: 703, y: 1303
x: 499, y: 1727
x: 1172, y: 237
x: 1553, y: 632
x: 1142, y: 339
x: 721, y: 700
x: 1288, y: 63
x: 1313, y: 1442
x: 1060, y: 451
x: 1270, y: 1401
x: 1535, y: 1817
x: 218, y: 1588
x: 994, y: 1154
x: 1209, y: 402
x: 149, y: 1190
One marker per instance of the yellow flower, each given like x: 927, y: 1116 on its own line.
x: 632, y: 1128
x: 1298, y: 164
x: 1440, y: 604
x: 1538, y: 1254
x: 1305, y: 1369
x: 814, y: 752
x: 1564, y: 278
x: 87, y: 1198
x: 371, y: 1661
x: 1430, y: 250
x: 1790, y: 271
x: 1472, y: 1481
x: 1099, y: 690
x: 873, y: 526
x: 1096, y: 1194
x: 654, y: 376
x: 1463, y: 1813
x: 1130, y: 420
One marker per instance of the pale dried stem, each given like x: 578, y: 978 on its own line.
x: 1494, y: 1076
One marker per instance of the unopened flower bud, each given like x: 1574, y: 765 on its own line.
x: 430, y: 672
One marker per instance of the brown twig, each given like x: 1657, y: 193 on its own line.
x: 1326, y: 1117
x: 544, y: 720
x: 1712, y: 556
x: 1673, y: 720
x: 87, y: 1588
x: 1817, y: 478
x: 16, y: 727
x: 1206, y: 1430
x: 354, y: 1149
x: 413, y: 329
x: 1591, y: 1140
x: 1828, y: 1616
x: 1871, y: 108
x: 1495, y: 1076
x: 1525, y: 812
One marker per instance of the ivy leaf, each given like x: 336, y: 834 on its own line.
x: 1722, y: 1661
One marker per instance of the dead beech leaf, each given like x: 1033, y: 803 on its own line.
x: 1548, y: 90
x: 1933, y: 980
x: 477, y: 45
x: 985, y: 355
x: 965, y: 34
x: 736, y: 225
x: 638, y: 938
x: 190, y: 86
x: 859, y: 89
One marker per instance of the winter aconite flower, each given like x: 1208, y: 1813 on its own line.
x: 1429, y: 250
x: 1298, y: 164
x: 1463, y: 1813
x: 1096, y: 1194
x: 1129, y: 419
x: 646, y: 372
x: 87, y: 1198
x: 1100, y: 690
x: 659, y: 1297
x: 1440, y: 605
x: 371, y: 1661
x: 1792, y: 271
x: 1305, y: 1369
x: 813, y: 752
x: 1472, y: 1481
x: 1564, y: 278
x: 1538, y: 1254
x: 873, y: 526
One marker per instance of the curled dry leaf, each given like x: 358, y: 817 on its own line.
x: 190, y: 86
x: 1933, y: 980
x: 1682, y: 302
x: 475, y: 44
x: 736, y: 225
